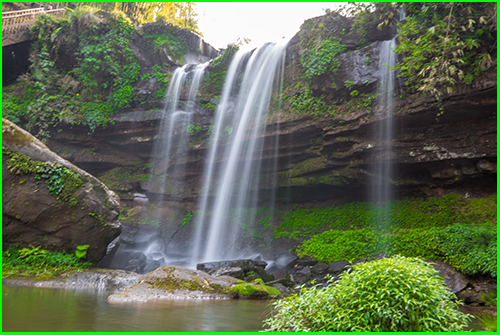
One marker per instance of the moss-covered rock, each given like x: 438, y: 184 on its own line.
x: 168, y: 282
x: 255, y: 290
x: 49, y: 202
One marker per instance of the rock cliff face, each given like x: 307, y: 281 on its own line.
x: 442, y: 147
x: 49, y: 202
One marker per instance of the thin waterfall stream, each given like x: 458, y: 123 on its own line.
x: 171, y: 149
x: 381, y: 192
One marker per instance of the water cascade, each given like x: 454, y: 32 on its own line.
x: 235, y: 167
x: 381, y: 192
x: 172, y: 148
x: 170, y: 151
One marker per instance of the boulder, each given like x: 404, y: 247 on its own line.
x: 255, y: 290
x: 176, y: 282
x: 100, y: 279
x: 469, y: 296
x: 58, y: 209
x: 337, y: 267
x: 245, y: 264
x: 455, y: 281
x: 235, y: 272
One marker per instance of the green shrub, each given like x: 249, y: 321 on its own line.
x: 471, y: 250
x: 392, y: 294
x: 336, y: 245
x: 36, y: 261
x: 322, y: 60
x: 469, y: 43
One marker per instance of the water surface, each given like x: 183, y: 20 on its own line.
x: 28, y: 309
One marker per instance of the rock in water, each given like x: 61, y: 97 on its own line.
x: 176, y: 282
x: 49, y: 202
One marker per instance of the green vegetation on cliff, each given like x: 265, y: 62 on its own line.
x: 459, y: 231
x: 83, y: 69
x: 444, y: 44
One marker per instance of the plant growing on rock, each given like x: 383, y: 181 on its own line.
x: 392, y: 294
x: 318, y: 61
x: 444, y: 44
x: 38, y: 262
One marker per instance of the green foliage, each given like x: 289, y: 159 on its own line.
x: 489, y: 322
x: 335, y: 245
x: 444, y: 44
x: 406, y: 213
x: 471, y: 250
x: 148, y: 223
x: 449, y: 228
x: 306, y: 103
x: 369, y: 16
x: 182, y: 14
x: 321, y: 61
x: 216, y: 71
x: 36, y: 261
x: 187, y: 219
x: 175, y: 45
x: 98, y: 81
x: 191, y: 129
x: 349, y: 84
x: 392, y: 294
x: 210, y: 106
x: 81, y: 251
x: 60, y: 181
x: 114, y: 179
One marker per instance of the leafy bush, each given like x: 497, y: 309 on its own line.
x: 392, y: 294
x: 306, y: 103
x: 36, y: 261
x: 471, y: 250
x: 444, y: 44
x: 336, y: 245
x: 323, y: 60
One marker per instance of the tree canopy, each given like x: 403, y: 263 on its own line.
x: 183, y: 14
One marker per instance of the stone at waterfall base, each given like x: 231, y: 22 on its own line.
x: 176, y: 282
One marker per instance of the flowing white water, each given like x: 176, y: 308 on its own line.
x: 382, y: 172
x: 173, y: 146
x: 233, y: 167
x: 171, y: 150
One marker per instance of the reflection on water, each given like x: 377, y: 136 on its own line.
x: 27, y: 309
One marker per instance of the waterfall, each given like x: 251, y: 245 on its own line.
x: 173, y: 146
x: 381, y: 187
x: 234, y: 170
x: 171, y: 149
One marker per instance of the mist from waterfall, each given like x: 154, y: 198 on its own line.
x: 381, y: 192
x: 235, y: 168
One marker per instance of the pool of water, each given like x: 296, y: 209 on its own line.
x: 28, y: 309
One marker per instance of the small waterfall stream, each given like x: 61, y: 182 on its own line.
x: 172, y: 148
x: 233, y: 167
x: 381, y: 192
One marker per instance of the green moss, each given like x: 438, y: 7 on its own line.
x: 255, y: 289
x: 61, y: 182
x: 170, y: 283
